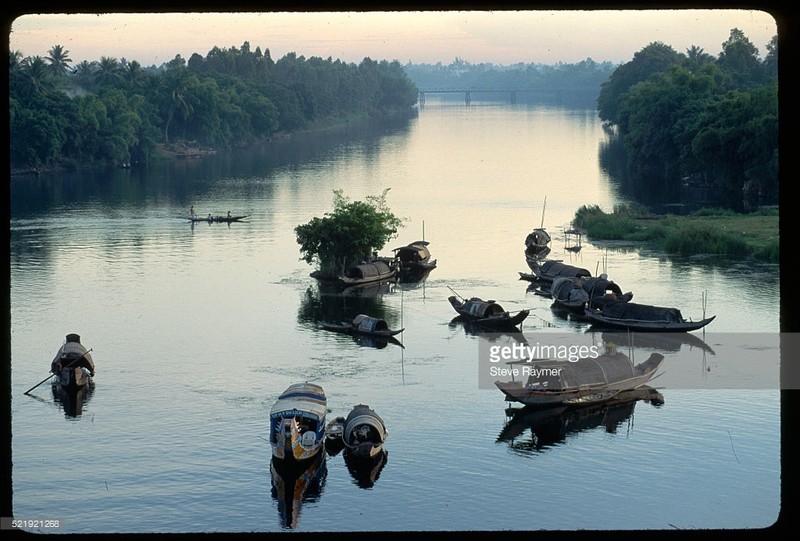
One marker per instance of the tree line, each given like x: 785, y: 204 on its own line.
x: 696, y: 120
x: 575, y: 85
x: 113, y: 111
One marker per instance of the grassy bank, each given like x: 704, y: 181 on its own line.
x: 707, y: 231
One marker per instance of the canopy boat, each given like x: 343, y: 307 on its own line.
x: 212, y: 219
x: 72, y: 365
x: 364, y: 433
x: 487, y: 313
x: 414, y: 261
x: 376, y: 271
x: 574, y: 295
x: 642, y: 317
x: 297, y: 423
x: 537, y: 245
x: 363, y: 324
x: 588, y: 380
x: 551, y: 269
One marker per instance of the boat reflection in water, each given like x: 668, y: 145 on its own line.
x: 361, y: 436
x: 534, y: 429
x: 366, y: 470
x: 474, y: 329
x: 325, y: 303
x: 71, y: 400
x: 668, y: 342
x: 292, y: 486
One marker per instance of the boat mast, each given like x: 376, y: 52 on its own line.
x: 544, y: 205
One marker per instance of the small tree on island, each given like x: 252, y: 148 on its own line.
x: 348, y: 235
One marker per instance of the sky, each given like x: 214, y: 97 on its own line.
x: 499, y: 37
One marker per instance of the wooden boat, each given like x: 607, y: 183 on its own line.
x: 376, y: 271
x: 334, y: 432
x: 642, y: 317
x: 551, y: 269
x: 537, y: 244
x: 364, y: 433
x: 361, y: 434
x: 574, y: 295
x: 414, y: 261
x: 213, y: 219
x: 297, y: 423
x: 588, y: 380
x: 363, y: 324
x: 487, y: 313
x: 72, y: 365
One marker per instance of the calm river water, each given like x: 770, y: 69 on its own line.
x: 196, y: 330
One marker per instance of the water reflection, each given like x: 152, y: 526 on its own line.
x: 365, y: 470
x: 294, y: 486
x: 72, y: 401
x: 667, y: 342
x: 324, y: 302
x: 492, y: 335
x: 532, y: 430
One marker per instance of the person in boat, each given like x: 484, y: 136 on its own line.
x: 66, y: 353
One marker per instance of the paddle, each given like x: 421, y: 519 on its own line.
x: 51, y: 375
x: 454, y: 291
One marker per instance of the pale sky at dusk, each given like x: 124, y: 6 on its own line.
x: 499, y: 37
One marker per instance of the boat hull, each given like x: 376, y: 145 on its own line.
x: 475, y: 310
x: 297, y: 423
x: 596, y: 380
x: 364, y: 433
x: 217, y: 219
x: 598, y: 320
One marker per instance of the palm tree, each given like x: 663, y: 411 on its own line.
x: 36, y: 76
x: 177, y: 81
x: 59, y: 60
x: 108, y: 70
x: 697, y: 58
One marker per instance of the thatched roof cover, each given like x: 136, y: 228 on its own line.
x: 642, y: 312
x: 602, y: 370
x: 552, y: 269
x: 366, y: 323
x: 480, y: 308
x: 369, y: 270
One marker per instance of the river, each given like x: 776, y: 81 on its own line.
x: 196, y: 329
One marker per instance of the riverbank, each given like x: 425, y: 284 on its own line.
x: 715, y: 232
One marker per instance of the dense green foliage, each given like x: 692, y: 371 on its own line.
x: 567, y: 84
x: 706, y: 231
x: 696, y: 119
x: 114, y: 111
x: 348, y: 235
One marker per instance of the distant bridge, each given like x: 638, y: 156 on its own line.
x: 468, y: 92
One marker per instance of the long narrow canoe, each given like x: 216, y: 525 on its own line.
x: 225, y: 219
